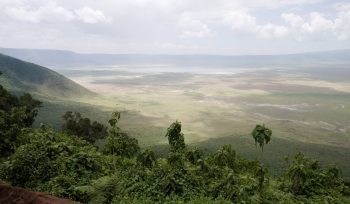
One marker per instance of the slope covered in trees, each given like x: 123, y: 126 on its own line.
x: 68, y: 166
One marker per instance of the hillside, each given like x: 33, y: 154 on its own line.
x: 21, y: 76
x: 57, y: 92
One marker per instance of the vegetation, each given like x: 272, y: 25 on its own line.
x: 262, y: 135
x: 68, y: 166
x: 175, y: 137
x: 74, y: 124
x: 16, y: 113
x: 214, y: 109
x: 118, y: 142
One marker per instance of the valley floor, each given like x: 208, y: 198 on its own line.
x: 307, y: 109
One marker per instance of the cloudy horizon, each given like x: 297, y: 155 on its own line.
x: 230, y: 27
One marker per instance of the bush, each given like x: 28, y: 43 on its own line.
x: 55, y: 163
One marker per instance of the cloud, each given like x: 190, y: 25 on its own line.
x: 317, y: 25
x: 274, y: 4
x: 273, y: 31
x: 88, y: 15
x: 53, y: 13
x: 193, y: 28
x: 342, y: 6
x: 50, y: 12
x: 243, y: 22
x: 342, y: 25
x: 316, y: 22
x: 311, y: 26
x: 178, y: 26
x: 293, y: 19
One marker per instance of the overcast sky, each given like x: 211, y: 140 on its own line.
x: 176, y: 26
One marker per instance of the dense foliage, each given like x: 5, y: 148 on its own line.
x: 54, y: 162
x: 75, y: 124
x: 15, y: 113
x: 118, y: 142
x: 68, y: 166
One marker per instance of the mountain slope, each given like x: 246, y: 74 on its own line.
x: 21, y: 76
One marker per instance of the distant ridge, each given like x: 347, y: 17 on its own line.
x: 62, y: 58
x: 21, y: 76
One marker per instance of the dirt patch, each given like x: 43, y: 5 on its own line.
x: 9, y: 194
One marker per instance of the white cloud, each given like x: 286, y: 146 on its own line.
x: 292, y: 19
x: 273, y: 31
x: 50, y: 12
x: 342, y: 25
x: 316, y: 22
x: 274, y: 4
x: 317, y: 25
x: 88, y: 15
x: 53, y: 13
x: 241, y: 21
x: 202, y: 25
x: 193, y: 28
x: 342, y: 6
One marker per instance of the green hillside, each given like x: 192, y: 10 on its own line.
x: 21, y: 76
x: 57, y: 92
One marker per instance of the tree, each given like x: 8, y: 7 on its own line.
x: 305, y: 176
x: 261, y: 173
x: 225, y: 156
x: 118, y: 142
x: 16, y: 113
x: 54, y: 162
x: 194, y: 155
x: 75, y: 124
x: 175, y: 137
x: 30, y: 108
x: 262, y: 135
x: 147, y: 158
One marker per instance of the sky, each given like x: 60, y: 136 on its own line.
x: 230, y: 27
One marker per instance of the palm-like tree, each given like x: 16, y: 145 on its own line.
x: 262, y: 135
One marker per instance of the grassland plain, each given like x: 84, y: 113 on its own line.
x: 307, y: 110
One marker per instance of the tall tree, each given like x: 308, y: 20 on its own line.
x: 118, y: 142
x: 262, y: 135
x: 175, y: 137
